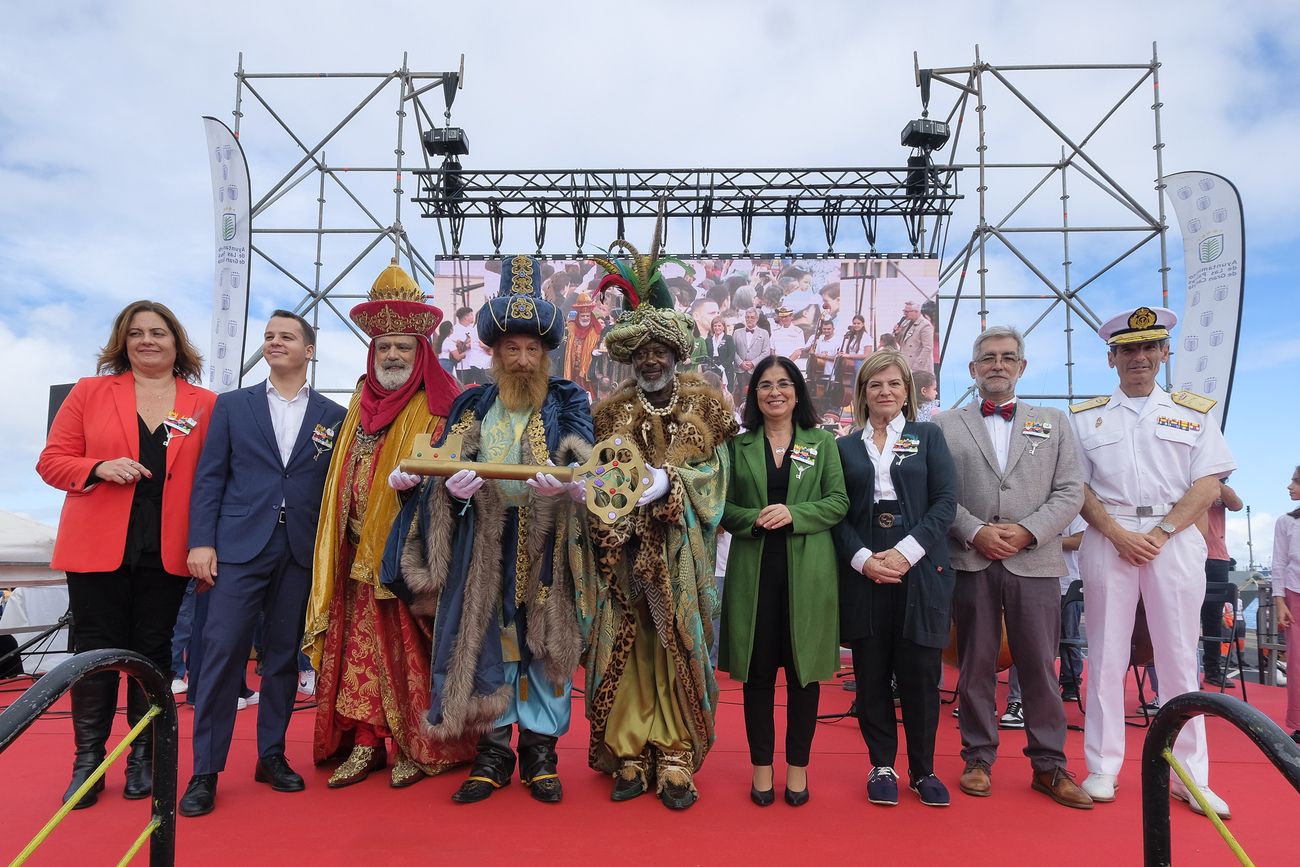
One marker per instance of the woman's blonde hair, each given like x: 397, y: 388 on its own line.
x: 876, y: 362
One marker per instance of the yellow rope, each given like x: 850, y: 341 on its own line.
x: 94, y: 778
x: 139, y: 841
x: 1195, y: 791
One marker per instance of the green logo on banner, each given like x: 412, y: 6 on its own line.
x: 228, y: 227
x: 1211, y: 248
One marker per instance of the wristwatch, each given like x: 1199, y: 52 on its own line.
x: 1169, y: 528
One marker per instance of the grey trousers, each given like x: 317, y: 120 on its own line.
x: 1032, y: 611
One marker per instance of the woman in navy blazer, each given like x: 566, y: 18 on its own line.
x: 124, y: 446
x: 895, y: 579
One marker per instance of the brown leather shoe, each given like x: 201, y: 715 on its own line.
x: 975, y: 780
x: 1058, y: 784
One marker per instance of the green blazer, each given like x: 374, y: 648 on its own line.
x: 817, y: 501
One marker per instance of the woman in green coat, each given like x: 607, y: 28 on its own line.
x: 779, y: 605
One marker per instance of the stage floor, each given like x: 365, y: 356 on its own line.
x: 373, y: 824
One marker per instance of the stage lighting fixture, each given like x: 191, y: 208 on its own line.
x: 926, y: 134
x: 453, y: 184
x: 446, y: 141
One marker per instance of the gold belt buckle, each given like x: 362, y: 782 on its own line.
x: 885, y: 520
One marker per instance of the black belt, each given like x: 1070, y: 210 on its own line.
x: 281, y: 521
x: 888, y: 513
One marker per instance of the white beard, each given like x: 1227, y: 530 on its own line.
x: 650, y: 386
x: 392, y: 378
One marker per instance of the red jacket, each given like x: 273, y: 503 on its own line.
x: 97, y: 422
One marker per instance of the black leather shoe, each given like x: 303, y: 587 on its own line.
x: 82, y: 768
x: 796, y: 799
x: 274, y: 769
x: 763, y: 799
x: 473, y: 790
x: 200, y: 795
x: 547, y: 790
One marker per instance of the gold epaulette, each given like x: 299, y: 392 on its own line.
x: 1190, y: 399
x: 1090, y: 404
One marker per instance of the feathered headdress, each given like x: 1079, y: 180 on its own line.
x: 641, y: 280
x: 648, y: 309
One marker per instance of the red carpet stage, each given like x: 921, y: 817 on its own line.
x: 373, y: 824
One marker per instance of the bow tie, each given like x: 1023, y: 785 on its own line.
x: 749, y: 331
x: 1007, y: 410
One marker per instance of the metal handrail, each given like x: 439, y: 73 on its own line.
x: 1157, y: 758
x: 41, y: 696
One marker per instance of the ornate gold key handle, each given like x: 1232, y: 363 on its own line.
x: 615, y: 472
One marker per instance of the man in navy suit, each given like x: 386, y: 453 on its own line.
x: 253, y: 514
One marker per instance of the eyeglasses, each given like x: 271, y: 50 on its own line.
x: 1007, y: 358
x: 782, y: 384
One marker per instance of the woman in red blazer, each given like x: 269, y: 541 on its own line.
x: 124, y: 446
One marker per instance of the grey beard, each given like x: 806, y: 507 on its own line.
x: 392, y: 379
x: 649, y: 386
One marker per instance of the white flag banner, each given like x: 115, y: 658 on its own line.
x: 233, y: 255
x: 1209, y: 213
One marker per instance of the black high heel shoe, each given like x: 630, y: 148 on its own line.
x: 797, y: 799
x: 763, y: 799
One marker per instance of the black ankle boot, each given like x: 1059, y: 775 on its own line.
x: 492, y: 767
x: 94, y: 700
x: 139, y: 762
x: 537, y: 766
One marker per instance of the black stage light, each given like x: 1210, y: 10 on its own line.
x: 446, y: 141
x: 453, y: 184
x: 926, y: 134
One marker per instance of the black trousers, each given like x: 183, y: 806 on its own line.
x: 883, y: 654
x: 772, y: 649
x: 132, y: 609
x: 1212, y: 620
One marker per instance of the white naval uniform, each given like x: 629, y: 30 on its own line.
x: 1134, y: 458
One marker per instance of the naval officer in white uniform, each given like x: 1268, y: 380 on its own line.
x: 1152, y: 462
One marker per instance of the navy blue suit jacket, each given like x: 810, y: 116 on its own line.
x: 241, y: 480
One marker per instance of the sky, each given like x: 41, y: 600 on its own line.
x: 105, y: 194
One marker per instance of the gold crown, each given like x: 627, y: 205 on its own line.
x: 1143, y: 317
x: 394, y: 284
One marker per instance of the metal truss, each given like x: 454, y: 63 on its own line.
x: 1133, y: 220
x: 825, y: 194
x: 408, y: 89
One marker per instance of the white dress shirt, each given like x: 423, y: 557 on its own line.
x: 882, y: 460
x: 286, y: 418
x: 999, y: 429
x: 1286, y: 556
x: 787, y: 340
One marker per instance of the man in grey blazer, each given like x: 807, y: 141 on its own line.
x: 1018, y: 486
x: 753, y: 343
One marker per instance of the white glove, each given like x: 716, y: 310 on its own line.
x: 464, y: 484
x: 400, y: 481
x: 546, y: 484
x: 578, y: 490
x: 658, y: 486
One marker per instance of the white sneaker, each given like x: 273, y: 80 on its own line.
x: 246, y: 702
x: 1100, y: 787
x: 307, y: 682
x: 178, y: 686
x: 1217, y: 804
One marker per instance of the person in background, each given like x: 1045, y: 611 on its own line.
x: 915, y: 334
x: 788, y: 339
x: 1071, y: 674
x: 896, y: 581
x: 854, y: 349
x: 786, y: 493
x: 1217, y: 566
x: 124, y: 446
x: 927, y: 391
x: 1286, y: 594
x: 752, y: 345
x: 717, y: 351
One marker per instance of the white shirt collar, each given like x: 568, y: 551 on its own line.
x: 271, y: 390
x: 895, y: 426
